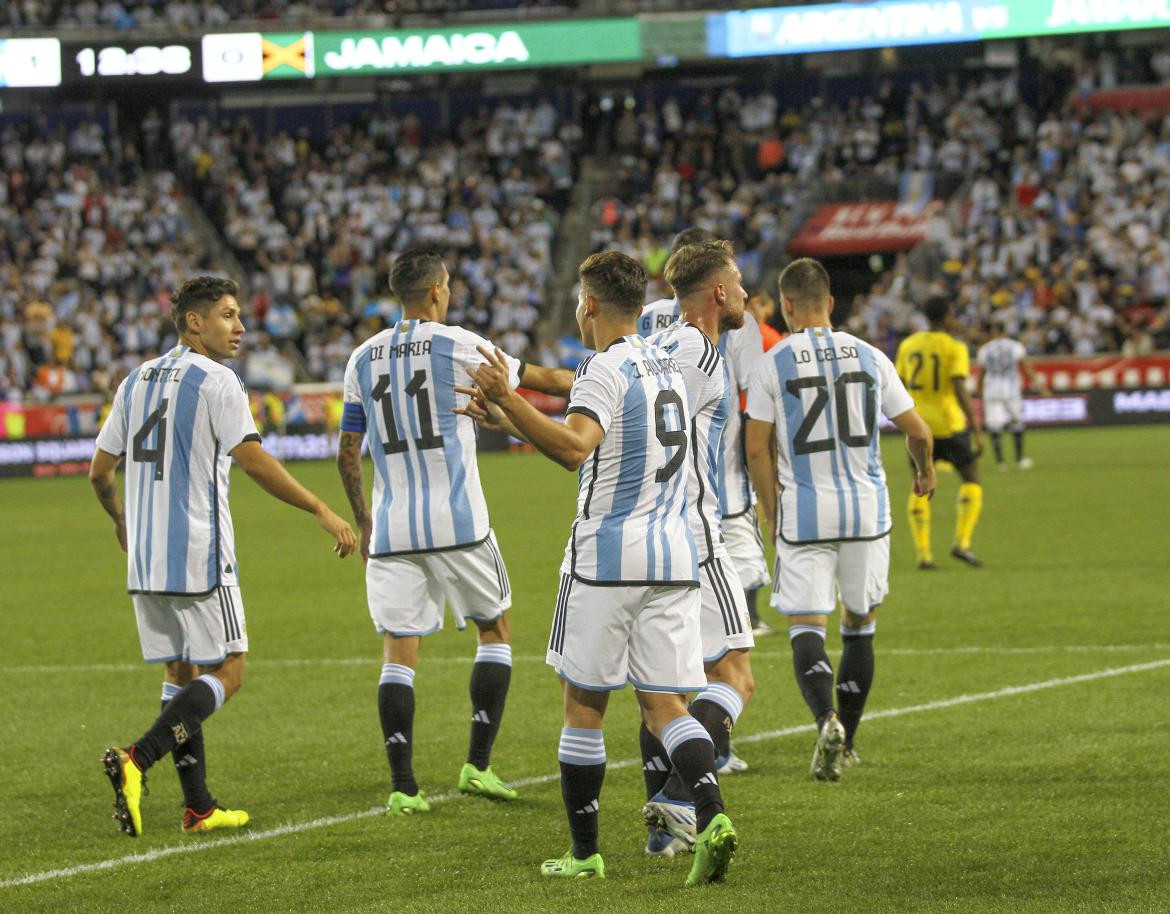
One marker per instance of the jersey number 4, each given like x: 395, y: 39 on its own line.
x: 801, y: 444
x: 427, y: 439
x: 157, y: 454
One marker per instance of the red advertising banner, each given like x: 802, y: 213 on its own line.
x: 863, y: 228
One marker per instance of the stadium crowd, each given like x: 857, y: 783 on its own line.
x: 316, y: 226
x: 1060, y: 227
x: 92, y: 246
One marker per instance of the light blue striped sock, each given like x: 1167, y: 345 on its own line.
x: 725, y: 696
x: 397, y: 673
x: 213, y: 683
x: 170, y: 690
x: 494, y: 653
x: 681, y: 730
x: 580, y: 746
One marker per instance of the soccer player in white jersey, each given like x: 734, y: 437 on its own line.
x: 180, y: 419
x: 741, y: 347
x: 711, y: 296
x: 628, y: 606
x: 426, y: 539
x: 1002, y: 359
x: 812, y: 430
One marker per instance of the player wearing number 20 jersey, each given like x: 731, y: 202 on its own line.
x: 823, y: 390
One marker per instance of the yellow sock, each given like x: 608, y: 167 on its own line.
x: 970, y: 507
x: 919, y: 510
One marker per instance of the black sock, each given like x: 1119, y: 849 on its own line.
x: 854, y: 679
x: 693, y: 757
x: 190, y: 764
x: 1018, y: 439
x: 582, y: 758
x: 814, y: 673
x: 753, y: 610
x: 490, y: 676
x: 997, y: 444
x: 182, y: 716
x: 396, y: 712
x: 655, y: 761
x: 716, y: 721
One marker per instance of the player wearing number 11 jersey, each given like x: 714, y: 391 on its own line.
x: 180, y: 419
x: 427, y: 541
x: 813, y: 403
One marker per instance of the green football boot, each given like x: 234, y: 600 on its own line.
x: 569, y: 867
x: 403, y: 804
x: 713, y: 850
x: 484, y: 783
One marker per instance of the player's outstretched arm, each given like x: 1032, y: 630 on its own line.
x: 920, y: 444
x: 569, y: 444
x: 349, y: 466
x: 555, y: 381
x: 274, y: 479
x: 102, y: 477
x: 759, y: 446
x: 486, y: 414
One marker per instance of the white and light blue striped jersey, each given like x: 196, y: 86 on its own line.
x: 657, y: 316
x: 823, y: 390
x: 178, y: 418
x: 741, y: 348
x: 1000, y: 360
x: 709, y: 398
x: 633, y: 524
x: 400, y: 390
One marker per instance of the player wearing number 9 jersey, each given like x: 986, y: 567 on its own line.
x: 628, y: 605
x: 180, y: 419
x: 427, y: 539
x: 813, y: 406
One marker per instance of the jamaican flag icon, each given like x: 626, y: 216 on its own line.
x: 288, y: 56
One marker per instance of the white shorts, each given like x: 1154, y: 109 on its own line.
x: 603, y: 637
x: 999, y: 414
x: 810, y: 577
x: 406, y: 593
x: 745, y: 547
x: 202, y: 630
x: 724, y: 623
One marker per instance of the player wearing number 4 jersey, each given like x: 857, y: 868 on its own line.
x: 627, y: 609
x: 180, y: 419
x: 426, y: 540
x: 813, y: 404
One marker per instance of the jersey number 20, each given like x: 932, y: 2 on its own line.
x: 801, y: 444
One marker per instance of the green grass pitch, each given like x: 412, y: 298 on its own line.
x: 1017, y: 758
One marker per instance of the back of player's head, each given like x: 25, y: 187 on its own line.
x: 936, y: 309
x: 694, y: 266
x: 616, y: 280
x: 199, y: 294
x: 414, y: 273
x: 805, y: 283
x: 691, y: 236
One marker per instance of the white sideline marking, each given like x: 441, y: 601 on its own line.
x: 373, y: 661
x: 294, y: 828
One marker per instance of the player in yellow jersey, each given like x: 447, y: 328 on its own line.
x: 934, y: 366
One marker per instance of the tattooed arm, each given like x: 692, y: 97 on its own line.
x: 102, y: 478
x: 349, y: 465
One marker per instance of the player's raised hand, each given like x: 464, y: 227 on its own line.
x: 481, y: 411
x: 492, y: 377
x: 344, y: 540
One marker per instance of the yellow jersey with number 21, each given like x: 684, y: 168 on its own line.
x: 927, y: 363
